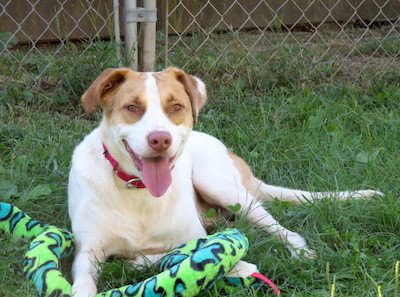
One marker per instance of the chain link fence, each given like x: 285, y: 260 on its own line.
x: 44, y: 45
x: 340, y: 37
x: 337, y: 37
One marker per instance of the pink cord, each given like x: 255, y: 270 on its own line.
x: 268, y: 281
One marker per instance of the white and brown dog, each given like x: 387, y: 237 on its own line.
x: 145, y: 148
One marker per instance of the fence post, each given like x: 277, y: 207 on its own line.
x: 149, y: 39
x: 131, y: 45
x: 117, y: 31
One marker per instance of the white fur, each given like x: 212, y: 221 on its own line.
x: 109, y: 219
x: 201, y: 86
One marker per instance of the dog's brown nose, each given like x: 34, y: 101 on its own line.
x: 159, y: 140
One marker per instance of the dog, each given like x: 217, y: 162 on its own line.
x: 140, y: 182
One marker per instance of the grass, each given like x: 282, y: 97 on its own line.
x: 389, y: 46
x: 295, y: 123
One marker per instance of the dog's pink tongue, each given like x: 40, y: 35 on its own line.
x: 156, y: 175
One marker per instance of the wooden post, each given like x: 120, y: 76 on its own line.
x: 149, y: 39
x: 131, y: 48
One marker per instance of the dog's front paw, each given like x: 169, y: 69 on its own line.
x: 303, y: 252
x: 84, y: 288
x: 298, y: 246
x: 242, y: 269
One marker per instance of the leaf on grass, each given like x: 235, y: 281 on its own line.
x: 332, y: 127
x: 362, y: 157
x: 365, y: 157
x: 61, y: 98
x: 235, y: 207
x: 210, y: 213
x: 38, y: 191
x: 28, y: 95
x: 7, y: 190
x: 254, y: 154
x: 239, y: 84
x: 375, y: 154
x: 315, y: 122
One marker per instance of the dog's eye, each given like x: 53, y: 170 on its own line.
x: 132, y: 108
x: 176, y: 108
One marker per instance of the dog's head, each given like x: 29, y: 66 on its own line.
x: 147, y: 119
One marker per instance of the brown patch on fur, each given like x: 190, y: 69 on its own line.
x: 129, y: 103
x: 175, y: 100
x: 248, y: 179
x: 103, y: 87
x: 116, y: 89
x: 190, y: 84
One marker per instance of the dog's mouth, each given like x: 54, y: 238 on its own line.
x: 155, y: 171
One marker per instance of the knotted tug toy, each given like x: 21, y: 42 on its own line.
x: 185, y: 271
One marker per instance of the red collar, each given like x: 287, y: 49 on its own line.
x: 132, y: 182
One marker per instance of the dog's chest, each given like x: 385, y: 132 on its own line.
x: 149, y: 225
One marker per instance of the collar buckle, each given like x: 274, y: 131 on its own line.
x: 131, y: 184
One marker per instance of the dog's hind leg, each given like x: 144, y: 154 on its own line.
x: 269, y: 193
x: 230, y: 193
x: 219, y: 182
x: 261, y: 190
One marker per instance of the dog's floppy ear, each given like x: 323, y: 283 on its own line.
x: 195, y: 89
x: 107, y: 82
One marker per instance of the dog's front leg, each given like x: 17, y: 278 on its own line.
x: 84, y: 273
x: 144, y: 261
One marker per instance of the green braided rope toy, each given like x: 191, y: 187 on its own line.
x: 185, y: 271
